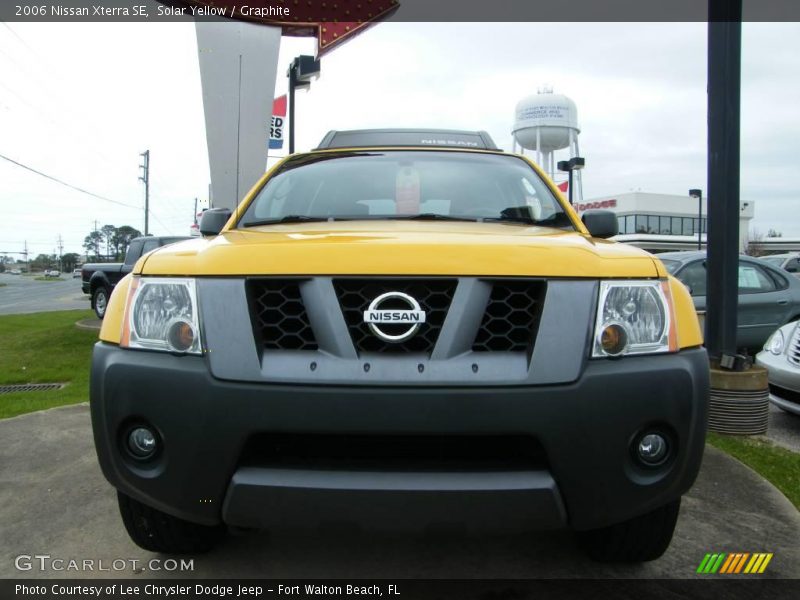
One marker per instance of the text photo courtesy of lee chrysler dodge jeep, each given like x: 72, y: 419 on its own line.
x: 401, y: 328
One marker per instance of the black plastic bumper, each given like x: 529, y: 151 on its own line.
x: 586, y: 429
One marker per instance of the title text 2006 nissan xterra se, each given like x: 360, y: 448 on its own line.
x: 401, y: 326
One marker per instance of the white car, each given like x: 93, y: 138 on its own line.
x: 781, y: 357
x: 52, y: 273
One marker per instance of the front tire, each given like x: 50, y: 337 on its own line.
x: 100, y: 301
x: 156, y: 531
x: 640, y: 539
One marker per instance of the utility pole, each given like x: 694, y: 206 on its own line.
x: 60, y: 252
x: 27, y: 265
x: 194, y: 214
x: 145, y: 177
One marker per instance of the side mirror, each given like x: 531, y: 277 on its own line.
x: 213, y: 220
x: 600, y: 223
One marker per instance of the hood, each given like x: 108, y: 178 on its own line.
x: 401, y: 248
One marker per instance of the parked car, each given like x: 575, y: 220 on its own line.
x: 99, y: 279
x: 15, y: 272
x: 76, y: 273
x: 768, y: 296
x: 781, y: 357
x: 789, y: 262
x: 402, y: 327
x: 52, y: 273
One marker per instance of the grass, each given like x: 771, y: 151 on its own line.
x: 44, y: 348
x: 781, y: 467
x: 47, y: 278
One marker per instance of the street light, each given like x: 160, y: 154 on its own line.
x: 302, y: 71
x: 699, y: 195
x: 576, y: 163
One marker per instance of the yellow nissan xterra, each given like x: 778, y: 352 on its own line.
x: 401, y: 327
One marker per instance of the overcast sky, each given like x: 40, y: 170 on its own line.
x: 79, y: 102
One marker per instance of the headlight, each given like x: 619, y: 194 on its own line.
x: 634, y: 317
x: 775, y: 343
x: 161, y: 314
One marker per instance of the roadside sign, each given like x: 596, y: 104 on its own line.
x: 278, y: 123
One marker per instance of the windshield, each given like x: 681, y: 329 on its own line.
x: 406, y: 185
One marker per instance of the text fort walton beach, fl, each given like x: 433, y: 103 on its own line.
x: 221, y: 591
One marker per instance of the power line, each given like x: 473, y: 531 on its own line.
x: 69, y: 185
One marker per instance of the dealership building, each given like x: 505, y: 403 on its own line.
x: 663, y: 222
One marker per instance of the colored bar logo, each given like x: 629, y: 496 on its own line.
x: 734, y: 563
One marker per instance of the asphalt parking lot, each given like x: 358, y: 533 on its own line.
x: 784, y: 428
x: 23, y: 294
x: 54, y: 501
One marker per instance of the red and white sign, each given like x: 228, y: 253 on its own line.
x: 599, y: 204
x: 278, y: 123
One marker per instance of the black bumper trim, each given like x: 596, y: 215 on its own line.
x: 585, y: 428
x: 499, y: 501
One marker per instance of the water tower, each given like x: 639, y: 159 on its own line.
x: 546, y: 122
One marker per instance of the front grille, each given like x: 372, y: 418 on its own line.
x: 394, y: 452
x: 785, y: 394
x: 793, y: 351
x: 279, y: 315
x: 434, y: 297
x: 511, y: 318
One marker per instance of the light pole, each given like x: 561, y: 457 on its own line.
x: 576, y: 163
x: 302, y: 71
x: 699, y: 195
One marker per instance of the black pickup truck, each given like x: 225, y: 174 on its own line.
x: 98, y: 279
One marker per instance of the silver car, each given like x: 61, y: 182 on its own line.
x: 768, y: 296
x: 788, y: 262
x: 781, y: 357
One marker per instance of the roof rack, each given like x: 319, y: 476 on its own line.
x: 426, y: 138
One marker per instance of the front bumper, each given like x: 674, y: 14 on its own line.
x: 784, y: 381
x: 586, y: 430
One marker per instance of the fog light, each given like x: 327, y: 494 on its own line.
x: 652, y: 448
x: 613, y: 339
x: 180, y: 335
x: 142, y: 442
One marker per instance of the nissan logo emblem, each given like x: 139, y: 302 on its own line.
x: 402, y: 323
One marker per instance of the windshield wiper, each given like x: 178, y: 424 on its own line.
x: 291, y: 219
x: 427, y: 217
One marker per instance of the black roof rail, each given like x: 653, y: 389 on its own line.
x: 437, y: 138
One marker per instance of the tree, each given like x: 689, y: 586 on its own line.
x: 122, y: 239
x: 108, y: 232
x: 774, y: 234
x: 752, y: 243
x: 115, y: 239
x: 42, y: 262
x: 69, y: 261
x: 92, y: 243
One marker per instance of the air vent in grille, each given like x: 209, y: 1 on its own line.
x: 511, y: 317
x: 279, y: 316
x: 793, y: 351
x: 434, y: 297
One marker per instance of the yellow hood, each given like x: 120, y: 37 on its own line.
x: 401, y: 248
